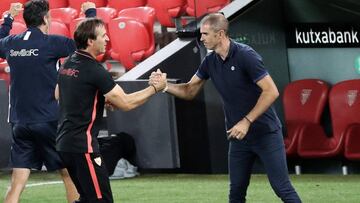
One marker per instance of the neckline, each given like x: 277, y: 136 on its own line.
x: 84, y: 53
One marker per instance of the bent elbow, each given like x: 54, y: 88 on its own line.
x: 189, y: 97
x: 126, y: 108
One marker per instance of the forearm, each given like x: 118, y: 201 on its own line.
x: 127, y: 102
x: 6, y: 27
x: 138, y: 98
x: 265, y: 100
x: 182, y: 91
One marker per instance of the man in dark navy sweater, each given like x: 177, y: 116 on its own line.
x: 247, y: 91
x: 33, y: 114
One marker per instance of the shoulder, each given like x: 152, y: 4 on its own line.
x: 12, y: 40
x: 14, y: 37
x: 94, y: 66
x: 57, y: 38
x: 246, y: 51
x: 60, y: 42
x: 242, y: 48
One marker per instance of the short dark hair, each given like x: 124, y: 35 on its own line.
x: 34, y: 12
x: 85, y: 30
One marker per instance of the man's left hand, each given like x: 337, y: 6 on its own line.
x: 239, y: 130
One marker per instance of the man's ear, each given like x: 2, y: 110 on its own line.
x: 90, y: 42
x: 45, y: 20
x: 222, y: 33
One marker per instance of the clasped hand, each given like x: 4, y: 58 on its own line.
x: 158, y: 80
x: 15, y: 9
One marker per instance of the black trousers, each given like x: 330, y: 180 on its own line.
x: 90, y: 176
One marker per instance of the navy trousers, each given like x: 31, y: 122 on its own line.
x: 270, y: 149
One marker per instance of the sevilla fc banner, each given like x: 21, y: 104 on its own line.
x: 323, y: 35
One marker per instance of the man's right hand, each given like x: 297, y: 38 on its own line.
x: 158, y: 79
x: 15, y: 9
x: 87, y: 5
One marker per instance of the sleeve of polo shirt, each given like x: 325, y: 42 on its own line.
x: 4, y: 32
x: 254, y: 65
x: 6, y: 26
x: 61, y: 46
x: 102, y: 80
x: 203, y: 70
x: 90, y: 13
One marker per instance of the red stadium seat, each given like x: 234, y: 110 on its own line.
x: 58, y: 28
x: 344, y: 110
x: 123, y: 4
x: 352, y: 140
x: 145, y: 15
x: 76, y: 4
x: 5, y: 4
x: 104, y: 13
x: 5, y: 72
x: 167, y: 10
x: 73, y: 25
x: 64, y: 15
x: 58, y: 3
x: 201, y: 7
x: 304, y: 102
x: 17, y: 27
x: 133, y: 44
x: 137, y: 25
x: 351, y: 112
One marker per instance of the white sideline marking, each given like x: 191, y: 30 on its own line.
x: 43, y: 183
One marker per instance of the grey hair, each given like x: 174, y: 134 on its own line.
x: 217, y: 22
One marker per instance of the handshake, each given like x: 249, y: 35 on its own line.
x: 158, y: 80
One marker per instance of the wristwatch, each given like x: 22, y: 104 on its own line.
x: 8, y: 15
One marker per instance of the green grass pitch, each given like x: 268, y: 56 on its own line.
x: 195, y: 188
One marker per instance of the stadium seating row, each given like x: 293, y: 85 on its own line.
x: 165, y: 8
x: 304, y: 102
x: 134, y: 25
x: 136, y: 43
